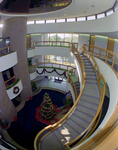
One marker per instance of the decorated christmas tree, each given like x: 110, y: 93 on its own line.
x: 47, y: 109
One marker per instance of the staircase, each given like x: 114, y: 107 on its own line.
x: 81, y: 117
x: 77, y: 86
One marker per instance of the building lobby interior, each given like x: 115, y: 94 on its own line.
x: 68, y: 49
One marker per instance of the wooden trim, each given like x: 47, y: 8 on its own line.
x: 10, y: 79
x: 5, y: 48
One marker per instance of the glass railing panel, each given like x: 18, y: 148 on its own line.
x: 5, y: 50
x: 110, y: 59
x: 32, y: 69
x: 103, y: 55
x: 115, y: 66
x: 96, y: 52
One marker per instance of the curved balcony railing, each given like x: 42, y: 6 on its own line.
x: 107, y: 56
x: 10, y: 81
x: 79, y: 58
x: 53, y: 65
x: 5, y: 50
x: 70, y: 73
x: 32, y: 45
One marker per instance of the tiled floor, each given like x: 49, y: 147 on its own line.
x: 46, y: 83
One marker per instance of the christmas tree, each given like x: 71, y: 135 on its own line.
x: 47, y: 109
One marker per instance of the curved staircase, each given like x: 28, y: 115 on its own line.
x: 81, y: 117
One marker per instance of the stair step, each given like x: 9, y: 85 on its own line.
x: 66, y: 133
x: 91, y: 77
x: 75, y: 126
x: 88, y: 66
x: 77, y: 82
x: 91, y: 89
x: 86, y: 110
x: 91, y: 99
x: 88, y: 105
x: 93, y: 104
x: 82, y: 115
x: 77, y: 85
x: 90, y: 73
x: 90, y: 81
x: 54, y: 143
x: 79, y: 121
x: 72, y: 131
x: 60, y: 137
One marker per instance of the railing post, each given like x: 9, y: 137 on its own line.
x: 106, y: 57
x: 99, y: 53
x: 113, y: 60
x: 92, y: 50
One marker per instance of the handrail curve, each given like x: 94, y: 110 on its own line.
x: 32, y: 45
x: 107, y: 56
x: 14, y: 77
x: 62, y: 120
x: 80, y: 62
x: 72, y: 84
x: 101, y: 134
x: 44, y: 63
x: 102, y: 94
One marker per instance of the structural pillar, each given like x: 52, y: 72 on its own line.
x: 16, y: 29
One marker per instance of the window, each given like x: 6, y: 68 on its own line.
x: 81, y: 19
x: 75, y: 38
x: 50, y: 21
x: 57, y: 59
x: 53, y: 37
x: 109, y: 12
x: 71, y: 20
x: 40, y: 22
x: 60, y: 20
x: 100, y: 15
x: 91, y: 17
x: 60, y: 37
x: 1, y: 25
x: 68, y: 37
x: 30, y: 22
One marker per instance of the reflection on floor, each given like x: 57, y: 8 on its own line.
x: 50, y: 83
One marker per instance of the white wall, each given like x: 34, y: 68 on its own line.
x: 106, y: 24
x: 8, y: 61
x: 59, y: 51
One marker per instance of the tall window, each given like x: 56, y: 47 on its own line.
x: 57, y: 59
x: 75, y: 38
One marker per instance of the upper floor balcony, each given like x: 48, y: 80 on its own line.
x: 8, y: 58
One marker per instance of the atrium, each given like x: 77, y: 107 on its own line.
x: 79, y: 35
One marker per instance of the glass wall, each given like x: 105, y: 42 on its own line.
x: 63, y: 37
x: 57, y: 59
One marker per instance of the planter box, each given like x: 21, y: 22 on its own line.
x: 14, y: 92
